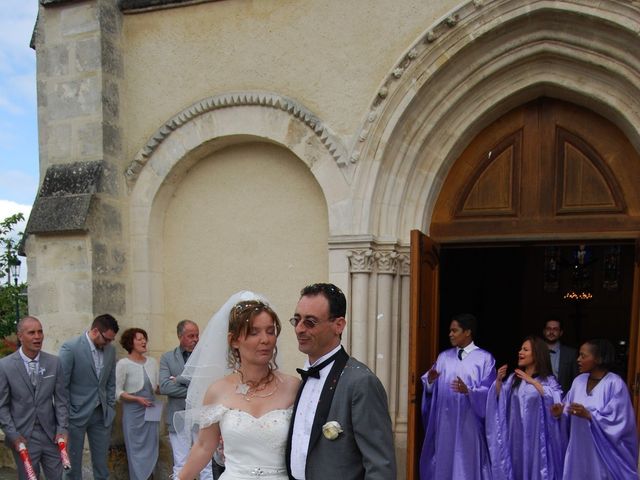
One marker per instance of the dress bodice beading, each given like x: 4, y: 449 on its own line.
x: 254, y: 447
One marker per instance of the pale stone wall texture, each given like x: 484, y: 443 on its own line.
x: 265, y: 144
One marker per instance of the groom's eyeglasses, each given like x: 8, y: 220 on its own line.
x: 307, y: 322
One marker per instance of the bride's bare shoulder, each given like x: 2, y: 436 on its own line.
x: 220, y: 389
x: 289, y: 381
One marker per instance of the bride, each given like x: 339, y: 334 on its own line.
x: 250, y: 407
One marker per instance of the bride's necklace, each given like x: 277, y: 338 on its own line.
x: 251, y: 389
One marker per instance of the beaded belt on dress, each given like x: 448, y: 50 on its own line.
x: 260, y: 471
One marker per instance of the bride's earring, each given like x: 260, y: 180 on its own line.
x: 236, y: 357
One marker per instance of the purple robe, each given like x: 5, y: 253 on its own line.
x: 523, y: 437
x: 607, y: 446
x: 454, y: 444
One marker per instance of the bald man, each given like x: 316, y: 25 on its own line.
x: 33, y: 401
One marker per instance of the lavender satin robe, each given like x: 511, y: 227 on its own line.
x: 607, y: 446
x: 523, y: 437
x: 454, y: 445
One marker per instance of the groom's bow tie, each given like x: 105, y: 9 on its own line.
x: 314, y: 372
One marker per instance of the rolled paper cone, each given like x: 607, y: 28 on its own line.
x: 64, y: 455
x: 26, y: 461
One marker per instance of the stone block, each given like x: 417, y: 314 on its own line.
x: 64, y: 199
x: 75, y: 98
x: 88, y: 55
x: 112, y: 139
x: 90, y: 140
x: 109, y: 297
x: 43, y: 298
x: 77, y: 19
x: 76, y: 295
x: 58, y: 141
x: 111, y: 59
x: 55, y: 61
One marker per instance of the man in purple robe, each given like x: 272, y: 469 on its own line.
x: 453, y: 408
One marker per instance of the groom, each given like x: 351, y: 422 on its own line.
x: 340, y: 426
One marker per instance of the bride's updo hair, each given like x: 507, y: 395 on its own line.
x: 240, y: 322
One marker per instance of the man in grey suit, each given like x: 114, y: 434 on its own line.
x: 33, y: 401
x: 563, y: 358
x: 174, y: 386
x: 89, y: 362
x: 340, y: 426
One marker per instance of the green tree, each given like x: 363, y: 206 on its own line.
x: 13, y: 304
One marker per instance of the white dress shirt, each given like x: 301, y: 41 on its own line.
x: 305, y: 413
x: 96, y: 354
x: 28, y: 360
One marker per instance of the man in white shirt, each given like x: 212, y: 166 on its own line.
x: 89, y: 364
x: 340, y: 426
x: 174, y: 386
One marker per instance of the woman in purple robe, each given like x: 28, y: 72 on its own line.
x: 523, y: 437
x: 603, y: 442
x: 453, y: 408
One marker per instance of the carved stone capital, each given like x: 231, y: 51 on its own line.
x: 387, y: 262
x: 404, y: 263
x: 360, y: 261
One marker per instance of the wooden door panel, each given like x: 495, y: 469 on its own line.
x: 633, y: 372
x: 423, y: 335
x: 541, y: 170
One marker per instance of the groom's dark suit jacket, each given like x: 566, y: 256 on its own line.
x: 354, y: 397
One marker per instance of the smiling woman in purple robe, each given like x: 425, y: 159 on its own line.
x: 603, y: 442
x: 453, y: 408
x: 523, y: 437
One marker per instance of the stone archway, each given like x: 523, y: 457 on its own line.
x: 199, y: 132
x: 479, y: 62
x: 466, y: 71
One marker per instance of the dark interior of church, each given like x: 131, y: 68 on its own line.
x: 513, y: 289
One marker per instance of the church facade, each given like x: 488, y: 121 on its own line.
x: 191, y: 149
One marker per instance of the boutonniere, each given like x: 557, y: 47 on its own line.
x: 331, y: 430
x: 42, y: 370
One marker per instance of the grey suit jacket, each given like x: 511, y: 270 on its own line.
x: 567, y: 367
x: 365, y: 449
x: 21, y: 403
x: 86, y: 390
x: 172, y: 365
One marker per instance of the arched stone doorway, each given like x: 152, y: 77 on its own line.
x: 549, y: 172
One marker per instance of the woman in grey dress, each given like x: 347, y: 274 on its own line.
x: 136, y: 384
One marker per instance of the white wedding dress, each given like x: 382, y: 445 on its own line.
x: 254, y: 447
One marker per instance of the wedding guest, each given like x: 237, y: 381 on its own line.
x: 136, y: 384
x: 454, y: 407
x: 563, y: 357
x: 89, y: 368
x: 34, y: 406
x: 523, y: 437
x: 603, y: 441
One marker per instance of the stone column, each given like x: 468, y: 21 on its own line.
x: 403, y: 354
x: 360, y: 265
x: 386, y: 262
x: 79, y: 71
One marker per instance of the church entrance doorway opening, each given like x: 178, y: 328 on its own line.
x: 513, y: 289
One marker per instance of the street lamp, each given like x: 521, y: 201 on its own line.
x: 14, y: 271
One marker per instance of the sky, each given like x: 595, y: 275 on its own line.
x: 19, y: 172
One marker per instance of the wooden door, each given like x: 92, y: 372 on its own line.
x: 546, y: 170
x: 633, y: 373
x: 423, y: 336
